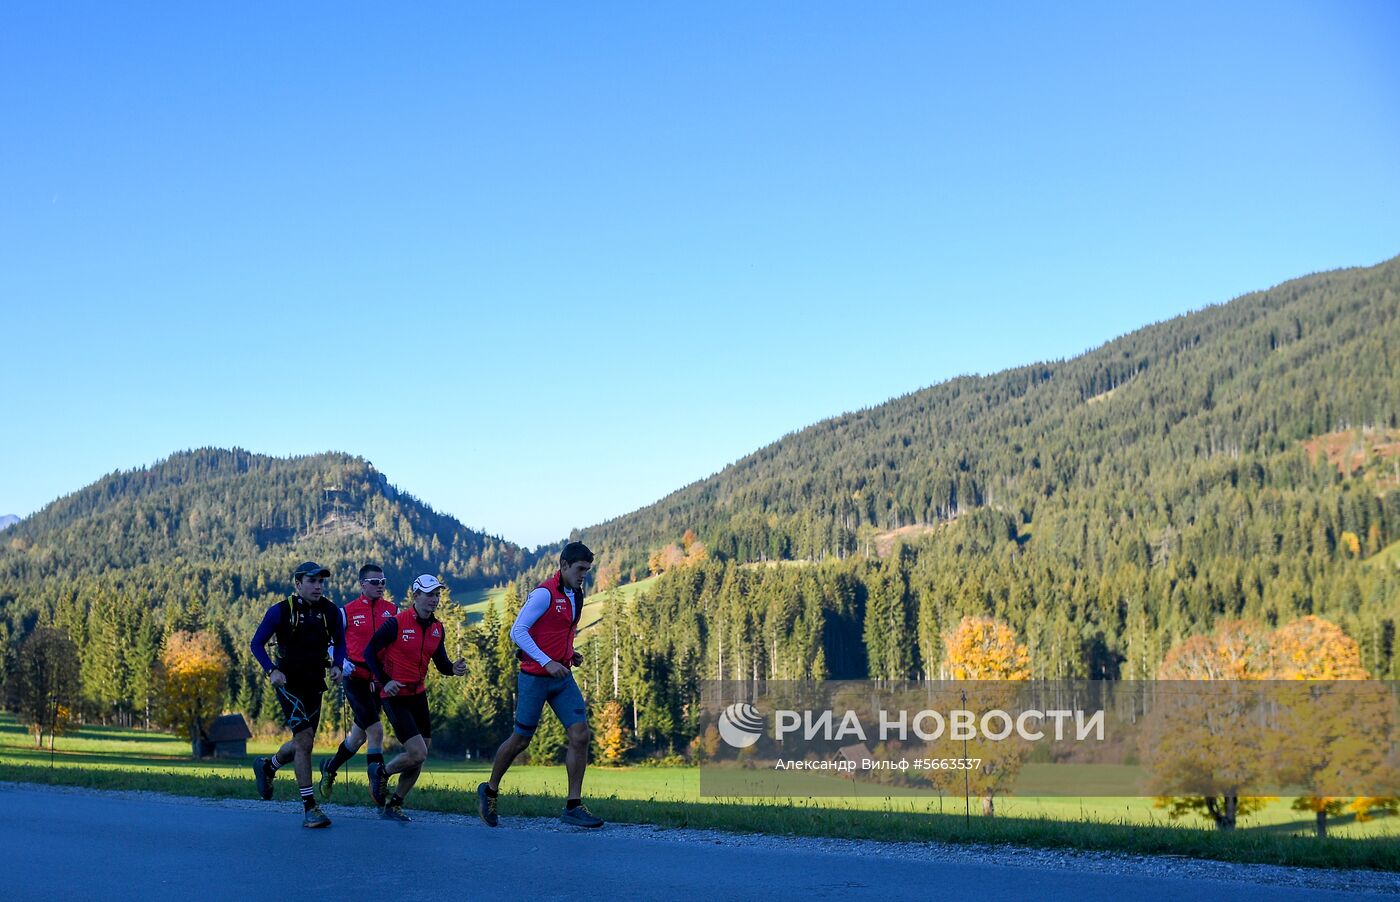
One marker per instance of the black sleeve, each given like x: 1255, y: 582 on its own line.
x: 444, y: 664
x: 382, y: 639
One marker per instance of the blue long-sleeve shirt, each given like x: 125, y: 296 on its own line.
x: 276, y: 616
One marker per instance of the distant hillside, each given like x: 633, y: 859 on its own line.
x: 249, y: 518
x: 1240, y: 463
x: 7, y: 521
x: 1256, y: 376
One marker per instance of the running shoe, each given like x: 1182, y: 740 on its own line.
x: 262, y: 776
x: 327, y: 784
x: 315, y: 817
x: 394, y: 812
x: 486, y: 806
x: 378, y: 784
x: 580, y: 817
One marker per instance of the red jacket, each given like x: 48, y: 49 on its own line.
x: 406, y: 659
x: 554, y: 631
x: 362, y: 618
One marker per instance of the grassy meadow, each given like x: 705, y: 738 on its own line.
x: 114, y: 758
x: 477, y: 601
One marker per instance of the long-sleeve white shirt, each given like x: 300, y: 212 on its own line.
x: 535, y: 606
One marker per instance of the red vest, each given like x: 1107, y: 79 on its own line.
x: 407, y: 659
x: 554, y: 631
x: 362, y: 618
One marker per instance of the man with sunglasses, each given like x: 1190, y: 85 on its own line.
x: 305, y: 624
x: 361, y: 618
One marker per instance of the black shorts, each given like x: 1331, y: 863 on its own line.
x: 408, y: 715
x: 363, y: 701
x: 301, y: 704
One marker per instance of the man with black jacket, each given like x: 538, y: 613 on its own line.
x: 305, y: 623
x: 398, y: 656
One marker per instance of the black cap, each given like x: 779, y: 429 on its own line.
x: 575, y: 551
x: 310, y: 568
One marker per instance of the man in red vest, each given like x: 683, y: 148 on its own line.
x: 398, y: 655
x: 361, y: 618
x: 544, y: 632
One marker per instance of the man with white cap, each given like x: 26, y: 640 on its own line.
x: 398, y: 656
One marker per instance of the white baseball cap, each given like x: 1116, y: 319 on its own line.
x: 427, y: 583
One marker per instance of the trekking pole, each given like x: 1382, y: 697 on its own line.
x: 53, y: 720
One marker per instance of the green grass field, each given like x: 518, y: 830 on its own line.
x: 1387, y: 558
x: 593, y: 605
x: 478, y: 601
x: 112, y: 758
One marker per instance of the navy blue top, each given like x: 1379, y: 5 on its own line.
x: 275, y: 617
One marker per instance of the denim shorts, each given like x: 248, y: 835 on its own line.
x: 562, y: 694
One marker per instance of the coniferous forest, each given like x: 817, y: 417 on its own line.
x: 1237, y: 463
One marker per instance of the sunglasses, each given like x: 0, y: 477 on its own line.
x: 374, y: 582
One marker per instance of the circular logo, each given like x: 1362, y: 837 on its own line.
x: 740, y: 725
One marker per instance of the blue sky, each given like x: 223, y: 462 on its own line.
x: 544, y: 263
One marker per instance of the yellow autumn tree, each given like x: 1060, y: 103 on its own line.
x: 1311, y: 648
x: 1320, y: 724
x: 1199, y: 746
x: 665, y: 559
x: 1236, y: 650
x: 605, y: 576
x: 612, y: 739
x: 1365, y: 807
x: 191, y: 682
x: 688, y: 552
x: 1340, y: 725
x: 1339, y: 736
x: 983, y: 648
x: 986, y: 653
x: 694, y: 549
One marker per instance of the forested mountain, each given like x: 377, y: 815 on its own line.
x: 1238, y: 463
x: 7, y: 521
x: 1239, y: 383
x: 253, y: 517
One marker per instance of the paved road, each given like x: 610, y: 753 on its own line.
x: 70, y: 845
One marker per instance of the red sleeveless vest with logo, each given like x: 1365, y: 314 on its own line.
x: 408, y: 658
x: 554, y: 631
x: 362, y: 618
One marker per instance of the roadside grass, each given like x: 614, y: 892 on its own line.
x: 112, y: 758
